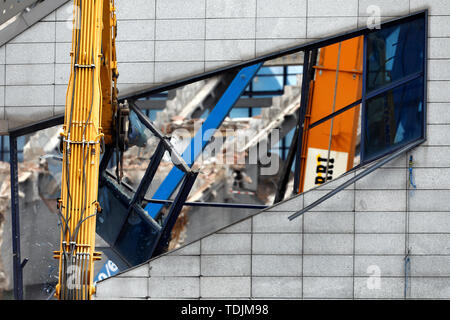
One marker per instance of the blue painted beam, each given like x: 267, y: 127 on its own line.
x: 203, y: 136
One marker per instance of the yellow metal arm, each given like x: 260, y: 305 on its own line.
x: 91, y: 92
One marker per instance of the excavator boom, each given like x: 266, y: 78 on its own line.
x: 90, y: 102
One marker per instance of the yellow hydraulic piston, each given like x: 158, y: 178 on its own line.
x: 91, y: 92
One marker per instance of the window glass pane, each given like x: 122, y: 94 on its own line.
x: 335, y: 87
x: 292, y: 80
x: 21, y: 141
x: 270, y: 71
x: 393, y: 118
x: 256, y: 111
x: 268, y: 83
x: 238, y: 113
x: 394, y: 52
x: 285, y: 153
x: 289, y: 136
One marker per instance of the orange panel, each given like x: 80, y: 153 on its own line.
x: 325, y: 98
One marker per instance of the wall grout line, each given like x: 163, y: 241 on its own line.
x: 306, y: 22
x: 407, y: 225
x: 200, y: 276
x: 54, y: 75
x: 354, y: 231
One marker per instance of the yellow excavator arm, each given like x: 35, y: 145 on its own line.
x: 91, y: 103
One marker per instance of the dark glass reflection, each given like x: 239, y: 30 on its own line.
x: 112, y: 217
x: 394, y: 52
x: 137, y: 238
x: 394, y: 118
